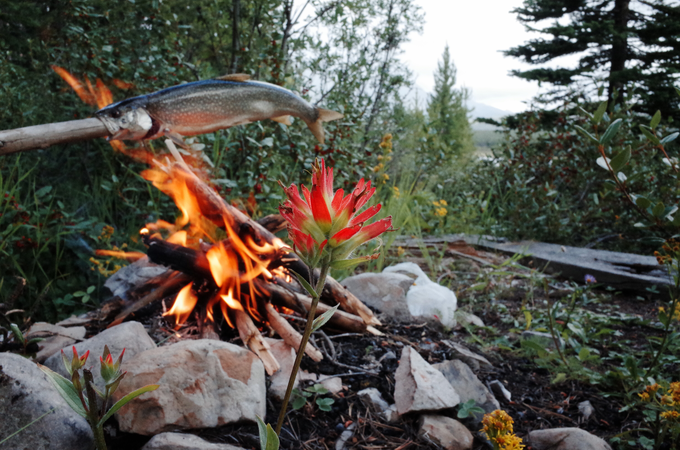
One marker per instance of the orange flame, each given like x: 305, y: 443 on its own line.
x: 184, y: 304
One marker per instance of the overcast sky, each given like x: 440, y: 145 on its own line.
x: 476, y: 31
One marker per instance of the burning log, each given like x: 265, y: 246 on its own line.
x: 42, y: 136
x: 289, y: 334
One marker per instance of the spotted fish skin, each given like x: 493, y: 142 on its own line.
x: 206, y: 106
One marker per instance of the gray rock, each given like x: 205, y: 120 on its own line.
x: 500, y: 390
x: 285, y: 355
x: 136, y: 274
x: 445, y: 431
x: 55, y: 338
x: 130, y: 336
x: 465, y: 318
x: 475, y: 361
x: 420, y: 387
x: 372, y: 398
x: 25, y: 395
x: 180, y: 441
x: 468, y: 386
x: 203, y: 384
x: 385, y: 292
x: 341, y: 443
x: 565, y: 439
x: 586, y: 409
x: 544, y: 339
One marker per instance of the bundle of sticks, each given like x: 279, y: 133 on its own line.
x: 191, y: 264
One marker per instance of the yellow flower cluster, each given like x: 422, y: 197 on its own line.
x: 676, y: 313
x: 383, y: 159
x: 498, y: 430
x: 440, y: 208
x: 104, y: 268
x: 396, y: 192
x: 106, y: 233
x: 671, y: 248
x: 668, y: 399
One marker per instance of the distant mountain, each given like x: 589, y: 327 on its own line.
x: 482, y: 110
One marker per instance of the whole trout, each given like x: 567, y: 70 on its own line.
x: 206, y: 106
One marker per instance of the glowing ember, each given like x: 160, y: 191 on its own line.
x: 184, y: 304
x: 130, y: 256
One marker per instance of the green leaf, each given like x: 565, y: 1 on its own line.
x: 298, y: 403
x: 43, y: 191
x: 583, y: 354
x: 597, y: 117
x: 671, y: 137
x: 643, y: 202
x: 18, y: 335
x: 323, y: 318
x: 527, y: 317
x: 305, y: 284
x: 125, y: 400
x: 533, y: 345
x: 658, y: 210
x: 655, y: 120
x: 324, y: 404
x: 620, y: 160
x: 66, y: 390
x: 647, y: 132
x: 586, y: 134
x: 268, y: 438
x: 559, y: 378
x: 611, y: 131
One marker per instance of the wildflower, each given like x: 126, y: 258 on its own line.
x: 396, y: 192
x: 76, y: 361
x: 497, y: 426
x: 590, y: 279
x: 671, y: 416
x: 325, y: 223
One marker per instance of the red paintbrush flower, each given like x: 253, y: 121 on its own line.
x: 323, y: 222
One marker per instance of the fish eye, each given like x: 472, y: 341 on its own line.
x: 116, y: 114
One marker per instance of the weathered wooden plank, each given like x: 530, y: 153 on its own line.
x: 625, y: 271
x: 43, y: 136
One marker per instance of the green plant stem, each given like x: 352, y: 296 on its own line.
x: 93, y: 412
x: 551, y: 324
x: 325, y: 268
x: 664, y: 341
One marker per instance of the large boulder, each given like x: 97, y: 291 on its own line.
x: 130, y: 336
x: 203, y: 384
x: 420, y: 387
x: 25, y: 395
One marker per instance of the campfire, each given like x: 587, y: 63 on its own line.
x: 225, y: 269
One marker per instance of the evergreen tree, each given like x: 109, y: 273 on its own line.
x: 624, y: 42
x: 447, y: 110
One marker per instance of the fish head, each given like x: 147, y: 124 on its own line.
x: 126, y: 120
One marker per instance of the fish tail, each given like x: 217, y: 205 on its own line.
x: 316, y: 127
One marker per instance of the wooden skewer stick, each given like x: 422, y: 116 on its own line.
x: 289, y: 334
x: 251, y: 336
x: 42, y: 136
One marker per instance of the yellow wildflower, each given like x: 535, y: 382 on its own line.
x: 396, y: 192
x: 443, y: 202
x: 671, y: 416
x: 499, y: 431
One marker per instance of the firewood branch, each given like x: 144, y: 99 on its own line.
x: 43, y: 136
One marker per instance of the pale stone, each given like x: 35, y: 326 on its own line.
x: 465, y: 318
x: 25, y: 395
x: 385, y: 292
x: 285, y: 355
x: 500, y: 390
x: 420, y: 387
x: 130, y: 336
x: 371, y: 397
x: 565, y: 439
x: 202, y: 384
x: 475, y: 361
x: 468, y: 386
x: 333, y: 384
x: 133, y: 275
x: 180, y: 441
x: 445, y: 431
x: 55, y: 338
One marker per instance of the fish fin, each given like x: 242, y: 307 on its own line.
x: 326, y: 115
x: 286, y: 120
x: 317, y: 130
x: 234, y: 77
x: 176, y: 138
